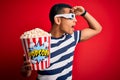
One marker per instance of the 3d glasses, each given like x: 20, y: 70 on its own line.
x: 68, y: 16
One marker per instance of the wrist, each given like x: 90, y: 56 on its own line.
x: 83, y: 14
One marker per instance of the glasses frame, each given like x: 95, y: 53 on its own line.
x: 67, y: 16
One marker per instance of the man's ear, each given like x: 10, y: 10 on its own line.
x: 57, y: 20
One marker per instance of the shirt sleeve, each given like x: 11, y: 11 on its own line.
x: 77, y: 36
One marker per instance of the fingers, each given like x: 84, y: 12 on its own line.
x: 24, y: 57
x: 28, y: 68
x: 78, y: 10
x: 27, y: 64
x: 78, y: 7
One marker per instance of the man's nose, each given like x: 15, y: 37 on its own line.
x: 75, y: 19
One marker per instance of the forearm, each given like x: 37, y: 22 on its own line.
x: 92, y: 22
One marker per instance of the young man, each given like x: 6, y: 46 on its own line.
x: 63, y: 41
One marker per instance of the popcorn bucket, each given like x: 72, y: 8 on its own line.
x: 38, y: 51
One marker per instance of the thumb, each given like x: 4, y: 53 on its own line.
x: 24, y: 57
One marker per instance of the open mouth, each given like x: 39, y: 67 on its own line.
x: 72, y: 26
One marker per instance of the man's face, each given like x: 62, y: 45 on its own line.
x: 67, y: 24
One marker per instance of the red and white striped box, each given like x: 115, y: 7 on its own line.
x: 37, y: 50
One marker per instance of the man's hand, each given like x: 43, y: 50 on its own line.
x: 78, y: 10
x: 26, y: 69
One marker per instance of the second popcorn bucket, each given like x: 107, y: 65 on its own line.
x: 37, y: 49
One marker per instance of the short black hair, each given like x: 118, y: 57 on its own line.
x: 56, y: 9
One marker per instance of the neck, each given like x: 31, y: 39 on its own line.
x: 55, y: 32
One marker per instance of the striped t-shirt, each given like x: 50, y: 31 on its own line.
x: 62, y: 50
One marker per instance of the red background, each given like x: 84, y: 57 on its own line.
x: 95, y: 59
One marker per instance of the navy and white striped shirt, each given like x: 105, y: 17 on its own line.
x: 62, y: 50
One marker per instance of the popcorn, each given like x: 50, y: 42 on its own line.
x: 34, y: 33
x: 36, y: 45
